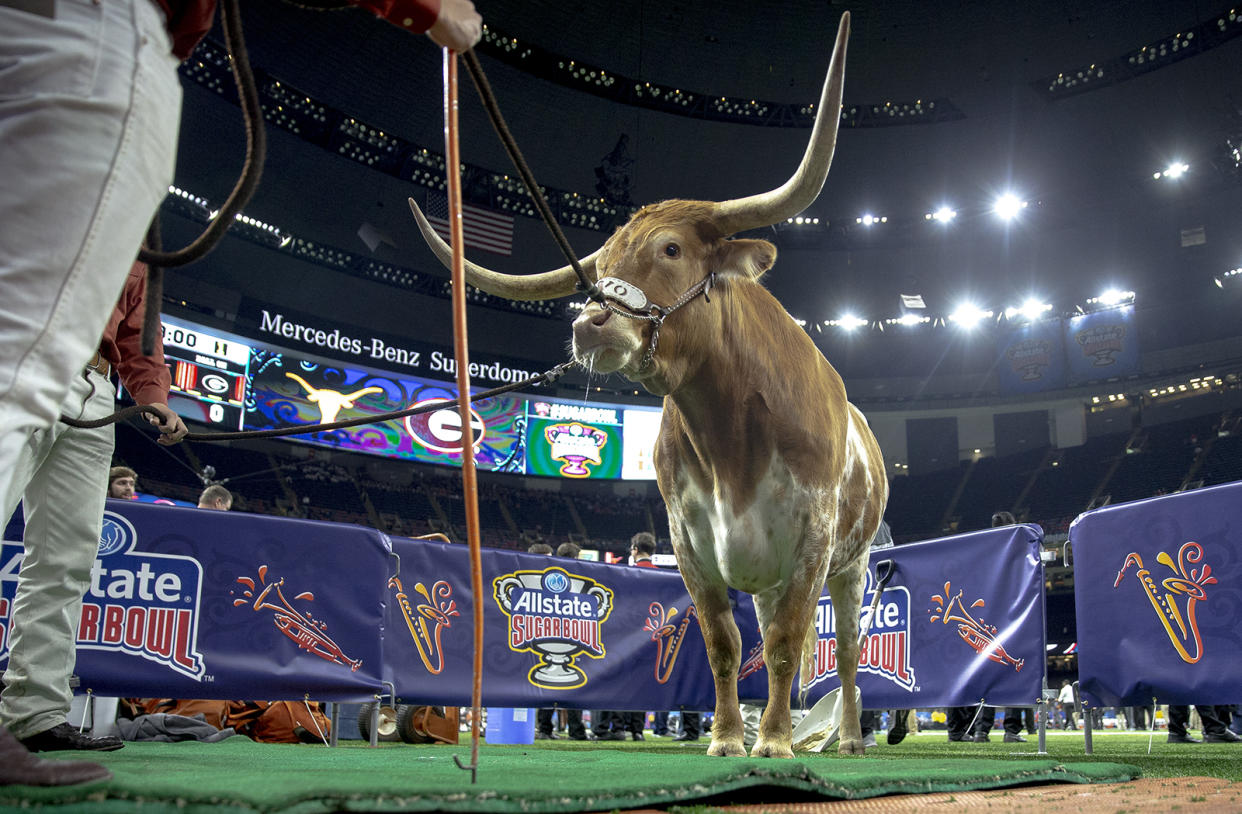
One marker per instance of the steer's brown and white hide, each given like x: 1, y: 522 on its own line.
x: 773, y: 480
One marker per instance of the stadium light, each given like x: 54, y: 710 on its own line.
x: 1032, y: 309
x: 1008, y: 206
x: 908, y: 320
x: 1172, y: 172
x: 870, y: 220
x: 1111, y: 297
x: 942, y: 215
x: 848, y: 322
x: 968, y: 315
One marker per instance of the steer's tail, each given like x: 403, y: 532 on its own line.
x: 806, y: 663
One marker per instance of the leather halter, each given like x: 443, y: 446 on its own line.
x: 636, y: 305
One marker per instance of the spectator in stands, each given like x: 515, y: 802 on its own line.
x: 1013, y: 716
x: 62, y: 477
x: 216, y: 497
x: 122, y: 483
x: 540, y: 548
x: 642, y: 546
x: 1214, y: 720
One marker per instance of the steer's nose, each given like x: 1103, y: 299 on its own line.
x: 588, y: 324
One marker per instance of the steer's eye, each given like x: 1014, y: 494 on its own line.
x: 672, y: 250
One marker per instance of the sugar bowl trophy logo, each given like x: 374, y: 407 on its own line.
x: 138, y: 603
x: 1102, y: 343
x: 886, y: 650
x: 576, y: 445
x: 1030, y: 358
x: 976, y: 633
x: 1186, y: 581
x: 557, y: 615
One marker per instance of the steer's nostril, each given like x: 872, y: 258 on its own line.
x: 599, y: 319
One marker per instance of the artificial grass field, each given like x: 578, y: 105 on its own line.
x: 1223, y: 760
x: 562, y: 775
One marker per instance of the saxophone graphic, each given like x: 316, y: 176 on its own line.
x: 668, y: 638
x: 977, y: 633
x: 1187, y: 581
x: 437, y: 608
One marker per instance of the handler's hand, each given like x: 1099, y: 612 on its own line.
x: 172, y: 428
x: 458, y: 27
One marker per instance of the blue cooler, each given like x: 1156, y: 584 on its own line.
x: 505, y: 725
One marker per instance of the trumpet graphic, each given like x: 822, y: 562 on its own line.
x: 668, y: 638
x: 310, y: 634
x: 977, y: 633
x: 437, y: 609
x: 1188, y: 582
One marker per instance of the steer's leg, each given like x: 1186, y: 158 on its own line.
x: 785, y: 617
x: 846, y: 590
x: 724, y: 654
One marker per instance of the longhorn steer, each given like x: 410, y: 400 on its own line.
x: 773, y: 481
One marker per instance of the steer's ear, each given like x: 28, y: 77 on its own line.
x: 750, y: 258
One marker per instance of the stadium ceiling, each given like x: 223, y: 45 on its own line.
x: 1083, y: 159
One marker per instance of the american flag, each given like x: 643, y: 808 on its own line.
x: 482, y: 228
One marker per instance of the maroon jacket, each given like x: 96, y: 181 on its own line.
x: 145, y: 377
x: 190, y: 20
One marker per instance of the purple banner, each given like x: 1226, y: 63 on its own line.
x: 557, y: 631
x: 961, y: 619
x: 193, y: 603
x: 1158, y: 595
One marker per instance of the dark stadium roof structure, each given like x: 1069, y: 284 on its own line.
x: 1074, y: 109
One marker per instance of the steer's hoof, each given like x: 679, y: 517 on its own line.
x: 727, y: 748
x: 766, y: 748
x: 853, y: 746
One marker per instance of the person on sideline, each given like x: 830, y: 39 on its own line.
x: 216, y: 497
x: 61, y: 478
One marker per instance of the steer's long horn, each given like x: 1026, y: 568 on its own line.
x: 547, y: 285
x: 798, y: 192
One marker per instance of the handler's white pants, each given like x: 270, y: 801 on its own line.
x: 90, y: 103
x: 64, y: 473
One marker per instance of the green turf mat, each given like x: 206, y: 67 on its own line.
x: 239, y: 775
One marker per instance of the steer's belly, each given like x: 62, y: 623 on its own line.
x: 757, y: 546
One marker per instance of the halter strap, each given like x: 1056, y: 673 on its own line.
x: 636, y: 305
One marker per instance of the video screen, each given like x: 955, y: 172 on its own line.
x: 286, y: 391
x: 220, y: 380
